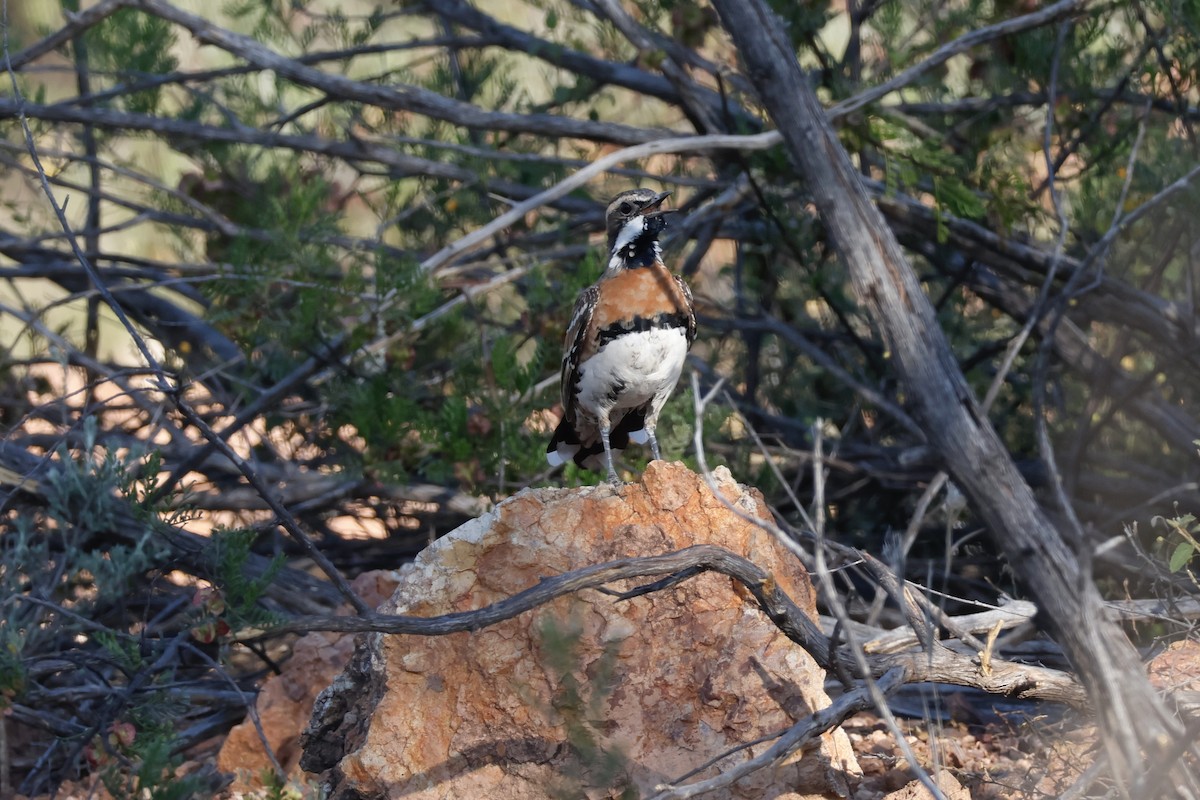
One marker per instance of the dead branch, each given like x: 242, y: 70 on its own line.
x: 402, y: 97
x: 794, y: 739
x: 1134, y: 719
x: 938, y: 665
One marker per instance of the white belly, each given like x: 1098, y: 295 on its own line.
x: 632, y: 370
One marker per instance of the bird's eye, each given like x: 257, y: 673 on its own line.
x: 625, y: 208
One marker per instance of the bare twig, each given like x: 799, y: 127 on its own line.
x: 397, y: 97
x: 795, y: 738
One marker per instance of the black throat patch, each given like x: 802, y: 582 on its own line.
x: 643, y: 251
x: 640, y: 252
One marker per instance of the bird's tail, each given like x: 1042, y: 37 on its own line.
x: 585, y: 448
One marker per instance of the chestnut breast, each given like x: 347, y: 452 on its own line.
x: 641, y: 293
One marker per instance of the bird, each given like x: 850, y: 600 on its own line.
x: 626, y: 344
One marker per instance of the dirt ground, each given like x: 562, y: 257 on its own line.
x: 1015, y: 757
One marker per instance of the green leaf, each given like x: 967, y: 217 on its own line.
x: 1182, y: 555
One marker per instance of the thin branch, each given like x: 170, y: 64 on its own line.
x: 109, y: 300
x: 794, y: 739
x: 680, y: 144
x: 395, y: 97
x: 77, y: 23
x: 988, y: 33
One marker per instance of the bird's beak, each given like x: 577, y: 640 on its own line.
x: 655, y: 203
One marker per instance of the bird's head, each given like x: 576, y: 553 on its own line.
x: 633, y: 215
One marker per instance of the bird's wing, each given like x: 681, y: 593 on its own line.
x: 691, y: 309
x: 574, y: 345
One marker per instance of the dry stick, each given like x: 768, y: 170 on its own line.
x: 1041, y: 429
x: 984, y: 104
x: 265, y: 58
x: 915, y: 606
x: 858, y: 656
x: 601, y: 71
x: 1098, y: 252
x: 1085, y: 780
x: 124, y: 697
x: 77, y: 23
x: 795, y: 738
x: 1160, y: 319
x: 732, y: 751
x: 564, y: 187
x: 352, y: 151
x: 251, y: 709
x: 398, y: 97
x: 83, y: 81
x: 282, y: 515
x: 377, y: 346
x: 839, y: 610
x: 759, y: 141
x: 678, y: 144
x: 1035, y: 315
x: 814, y: 352
x: 1153, y: 781
x: 77, y: 358
x: 248, y: 701
x: 943, y: 402
x: 247, y: 415
x: 684, y: 144
x: 1050, y: 13
x: 1010, y: 615
x: 942, y: 666
x: 217, y: 220
x: 695, y: 101
x: 5, y: 759
x: 889, y: 581
x: 767, y: 458
x: 109, y: 300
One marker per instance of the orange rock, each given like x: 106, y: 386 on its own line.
x: 1177, y: 668
x: 285, y: 702
x: 585, y: 696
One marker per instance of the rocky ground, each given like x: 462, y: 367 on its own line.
x: 1025, y: 757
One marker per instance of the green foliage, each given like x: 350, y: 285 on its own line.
x: 13, y: 674
x: 80, y: 499
x: 239, y: 592
x: 132, y: 46
x: 1181, y: 543
x: 274, y: 788
x: 916, y: 164
x: 138, y: 762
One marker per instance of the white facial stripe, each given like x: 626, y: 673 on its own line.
x: 629, y: 232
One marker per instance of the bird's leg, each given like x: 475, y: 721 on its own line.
x: 651, y: 425
x: 605, y: 430
x: 656, y: 455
